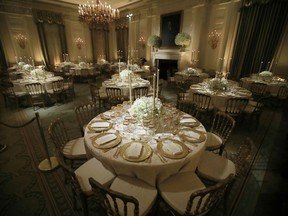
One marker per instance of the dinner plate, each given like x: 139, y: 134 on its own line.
x: 182, y: 133
x: 161, y: 150
x: 109, y: 144
x: 145, y: 153
x: 100, y: 128
x: 189, y: 124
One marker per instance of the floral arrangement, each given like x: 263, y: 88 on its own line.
x: 154, y: 41
x: 124, y: 74
x: 142, y: 108
x: 27, y: 67
x: 183, y: 39
x: 134, y: 67
x: 21, y: 63
x: 38, y: 73
x: 67, y: 63
x: 266, y: 73
x: 82, y: 64
x: 102, y: 61
x: 191, y: 71
x: 219, y: 84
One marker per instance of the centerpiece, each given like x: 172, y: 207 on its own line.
x: 38, y: 74
x: 124, y: 74
x: 191, y: 71
x: 219, y: 83
x: 183, y: 39
x: 27, y: 67
x: 154, y: 41
x: 83, y: 64
x: 266, y: 75
x: 142, y: 108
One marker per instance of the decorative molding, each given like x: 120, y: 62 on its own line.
x: 42, y: 16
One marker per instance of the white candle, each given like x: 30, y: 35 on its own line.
x: 260, y: 66
x: 130, y: 88
x: 154, y: 81
x: 268, y: 64
x: 119, y: 66
x: 157, y: 83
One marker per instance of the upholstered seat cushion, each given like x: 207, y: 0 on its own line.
x: 213, y: 141
x: 176, y: 190
x: 75, y: 149
x: 215, y: 167
x: 93, y: 168
x: 144, y: 193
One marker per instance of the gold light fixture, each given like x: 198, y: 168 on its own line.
x: 21, y: 40
x: 97, y: 13
x: 79, y: 42
x: 214, y: 38
x: 142, y: 42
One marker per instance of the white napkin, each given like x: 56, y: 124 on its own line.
x: 187, y: 120
x: 134, y: 150
x: 108, y: 113
x: 171, y: 148
x: 105, y: 139
x: 186, y: 115
x: 191, y: 134
x: 100, y: 125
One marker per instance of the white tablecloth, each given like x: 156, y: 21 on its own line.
x: 151, y: 172
x: 219, y: 97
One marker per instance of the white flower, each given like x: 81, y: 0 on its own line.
x: 134, y: 67
x: 143, y: 108
x: 125, y: 73
x: 21, y: 63
x: 183, y: 39
x: 102, y: 61
x: 154, y: 41
x: 219, y: 83
x: 37, y: 73
x: 27, y: 67
x: 191, y: 71
x: 82, y: 64
x: 266, y: 73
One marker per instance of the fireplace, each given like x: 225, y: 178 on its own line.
x: 165, y: 66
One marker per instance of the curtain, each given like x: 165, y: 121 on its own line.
x: 3, y: 64
x: 122, y: 34
x: 261, y: 27
x: 51, y: 31
x: 100, y: 42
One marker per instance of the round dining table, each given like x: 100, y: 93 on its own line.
x: 151, y: 152
x: 185, y: 75
x: 219, y: 96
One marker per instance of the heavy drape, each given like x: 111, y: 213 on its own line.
x: 260, y: 31
x: 122, y: 34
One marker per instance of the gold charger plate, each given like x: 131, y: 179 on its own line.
x: 185, y: 137
x: 99, y: 129
x: 182, y: 154
x: 189, y: 124
x: 146, y: 152
x: 107, y: 145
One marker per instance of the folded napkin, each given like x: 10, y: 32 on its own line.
x: 134, y: 151
x: 191, y: 134
x: 100, y: 125
x: 187, y: 120
x: 108, y: 113
x: 171, y: 148
x: 186, y: 116
x: 105, y: 139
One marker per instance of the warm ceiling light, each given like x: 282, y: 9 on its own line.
x: 97, y: 13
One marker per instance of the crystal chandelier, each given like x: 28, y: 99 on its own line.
x: 97, y: 13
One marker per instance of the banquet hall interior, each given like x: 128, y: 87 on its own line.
x: 158, y: 100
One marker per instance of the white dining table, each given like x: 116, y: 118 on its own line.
x: 219, y: 97
x: 169, y: 148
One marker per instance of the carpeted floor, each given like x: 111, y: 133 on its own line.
x: 24, y: 190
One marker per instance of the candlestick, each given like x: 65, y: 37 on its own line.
x: 157, y: 83
x: 154, y: 81
x: 268, y: 64
x: 130, y: 87
x: 260, y: 66
x: 119, y: 66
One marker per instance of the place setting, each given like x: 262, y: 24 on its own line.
x: 188, y: 120
x: 99, y: 126
x: 191, y: 135
x: 172, y: 149
x: 135, y: 151
x: 106, y: 141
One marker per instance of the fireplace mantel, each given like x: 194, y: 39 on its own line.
x: 167, y: 54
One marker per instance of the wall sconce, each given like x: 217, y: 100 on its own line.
x: 214, y: 38
x: 21, y: 40
x: 142, y: 42
x: 79, y: 42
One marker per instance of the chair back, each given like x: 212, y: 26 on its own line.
x: 95, y: 94
x: 8, y: 91
x: 34, y: 89
x: 201, y: 101
x: 194, y: 79
x: 113, y: 202
x: 140, y: 92
x: 282, y: 92
x: 58, y: 133
x: 258, y: 89
x: 58, y: 86
x: 86, y: 112
x: 187, y: 107
x: 222, y: 126
x: 112, y: 92
x: 115, y: 96
x: 241, y: 158
x: 202, y: 201
x: 235, y: 106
